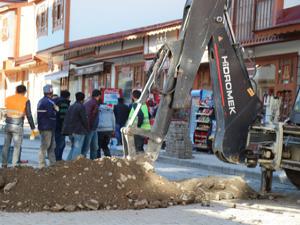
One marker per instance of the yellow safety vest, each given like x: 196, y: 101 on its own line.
x: 146, y: 122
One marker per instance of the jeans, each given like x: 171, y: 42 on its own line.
x: 15, y: 133
x: 60, y: 141
x: 47, y: 147
x: 77, y: 143
x: 90, y: 143
x: 118, y: 133
x: 103, y: 140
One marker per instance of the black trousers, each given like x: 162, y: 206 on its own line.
x: 103, y: 142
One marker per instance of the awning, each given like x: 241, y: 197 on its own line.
x: 89, y: 69
x: 57, y: 75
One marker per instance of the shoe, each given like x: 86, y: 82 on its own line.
x: 23, y: 161
x: 4, y: 166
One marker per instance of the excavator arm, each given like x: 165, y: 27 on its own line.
x: 236, y: 104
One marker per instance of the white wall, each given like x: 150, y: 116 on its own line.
x: 7, y: 47
x: 53, y: 39
x: 277, y: 49
x: 28, y: 32
x: 91, y: 18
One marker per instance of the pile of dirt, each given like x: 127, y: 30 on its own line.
x: 107, y: 183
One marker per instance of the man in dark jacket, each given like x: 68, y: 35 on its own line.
x: 76, y: 124
x: 63, y: 104
x: 46, y: 125
x: 91, y: 139
x: 121, y: 112
x: 17, y: 106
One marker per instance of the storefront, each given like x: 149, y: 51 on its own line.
x: 277, y: 75
x: 89, y: 77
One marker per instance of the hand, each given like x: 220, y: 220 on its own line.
x: 33, y: 134
x: 56, y: 108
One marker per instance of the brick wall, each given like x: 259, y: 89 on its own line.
x: 178, y: 143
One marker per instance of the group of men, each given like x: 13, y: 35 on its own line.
x: 88, y: 124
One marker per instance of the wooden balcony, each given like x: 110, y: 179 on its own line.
x: 252, y: 16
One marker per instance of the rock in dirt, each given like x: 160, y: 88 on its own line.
x: 92, y: 204
x: 154, y: 204
x: 70, y: 208
x: 8, y: 187
x: 2, y: 182
x: 57, y: 208
x: 141, y: 204
x: 188, y: 197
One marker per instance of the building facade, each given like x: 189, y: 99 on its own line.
x: 79, y: 46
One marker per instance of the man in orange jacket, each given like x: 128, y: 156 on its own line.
x: 17, y: 106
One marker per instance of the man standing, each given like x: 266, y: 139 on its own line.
x: 91, y: 139
x: 46, y: 125
x: 121, y: 112
x: 17, y: 106
x: 142, y: 120
x: 76, y: 124
x: 63, y: 104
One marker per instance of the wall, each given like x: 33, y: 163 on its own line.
x: 53, y: 39
x: 7, y: 38
x: 105, y: 17
x: 28, y: 32
x: 277, y: 49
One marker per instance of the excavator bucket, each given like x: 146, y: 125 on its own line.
x: 236, y: 104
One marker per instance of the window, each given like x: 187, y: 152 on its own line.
x: 57, y: 15
x: 42, y: 20
x: 290, y: 3
x: 4, y: 33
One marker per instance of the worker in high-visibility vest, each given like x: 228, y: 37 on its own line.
x: 142, y: 120
x: 17, y: 107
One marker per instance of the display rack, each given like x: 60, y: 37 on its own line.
x: 203, y: 127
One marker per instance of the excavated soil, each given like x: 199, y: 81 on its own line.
x: 107, y: 183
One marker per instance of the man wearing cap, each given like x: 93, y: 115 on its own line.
x: 17, y: 107
x: 46, y: 125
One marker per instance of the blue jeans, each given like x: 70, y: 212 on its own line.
x: 77, y: 143
x: 15, y: 133
x: 60, y: 141
x: 90, y: 143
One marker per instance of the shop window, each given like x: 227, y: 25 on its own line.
x: 124, y: 82
x: 264, y: 79
x: 130, y: 77
x: 57, y: 15
x: 42, y: 20
x: 4, y: 32
x: 285, y: 73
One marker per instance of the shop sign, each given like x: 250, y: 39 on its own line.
x: 110, y: 96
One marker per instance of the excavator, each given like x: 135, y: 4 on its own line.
x: 241, y: 137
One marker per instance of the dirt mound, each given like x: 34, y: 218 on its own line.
x: 107, y: 183
x: 219, y: 188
